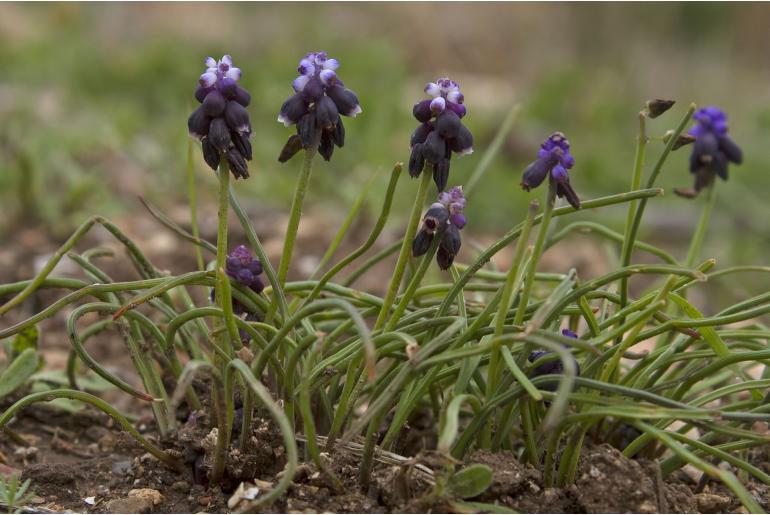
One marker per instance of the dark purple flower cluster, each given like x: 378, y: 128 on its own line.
x: 320, y: 98
x: 551, y: 367
x: 553, y: 160
x: 242, y: 266
x: 222, y: 123
x: 444, y: 219
x: 712, y: 151
x: 440, y: 132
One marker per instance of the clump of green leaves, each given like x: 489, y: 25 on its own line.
x: 14, y: 495
x: 349, y: 364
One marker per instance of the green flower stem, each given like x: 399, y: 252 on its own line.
x: 636, y: 181
x: 630, y: 338
x: 295, y: 215
x: 529, y: 281
x: 700, y: 231
x: 493, y: 374
x: 406, y: 249
x: 414, y: 282
x: 639, y: 212
x: 228, y: 337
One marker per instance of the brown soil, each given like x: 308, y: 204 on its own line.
x: 74, y: 458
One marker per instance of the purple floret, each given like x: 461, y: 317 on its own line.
x: 245, y: 268
x: 444, y: 219
x: 553, y: 161
x: 712, y: 151
x: 553, y: 366
x: 441, y: 132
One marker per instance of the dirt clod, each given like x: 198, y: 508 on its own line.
x: 130, y: 505
x: 711, y: 503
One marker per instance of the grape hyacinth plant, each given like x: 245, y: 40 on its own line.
x: 476, y: 355
x: 319, y: 98
x: 441, y: 131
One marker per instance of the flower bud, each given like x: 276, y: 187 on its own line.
x: 228, y: 87
x: 214, y: 104
x: 434, y: 148
x: 451, y: 240
x: 292, y: 110
x: 201, y: 92
x: 416, y: 160
x: 657, y: 107
x: 198, y: 124
x: 421, y: 243
x: 326, y: 113
x: 237, y: 117
x: 219, y: 134
x: 435, y: 218
x: 422, y: 111
x: 338, y: 135
x: 420, y: 133
x: 242, y: 144
x: 345, y: 100
x: 292, y: 146
x: 313, y: 90
x: 462, y: 144
x: 444, y: 258
x: 242, y: 96
x: 308, y: 131
x: 441, y: 173
x: 210, y: 154
x: 437, y: 106
x: 448, y: 126
x: 237, y: 163
x: 326, y: 146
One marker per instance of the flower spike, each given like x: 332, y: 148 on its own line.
x: 222, y: 123
x: 440, y: 132
x: 319, y: 99
x: 444, y: 219
x: 553, y: 161
x: 712, y: 151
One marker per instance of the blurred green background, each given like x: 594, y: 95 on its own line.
x: 94, y: 100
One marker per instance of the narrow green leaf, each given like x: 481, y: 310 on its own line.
x: 19, y: 371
